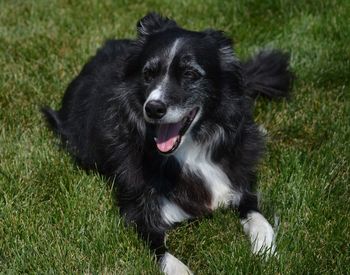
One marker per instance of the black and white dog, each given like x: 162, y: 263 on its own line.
x: 168, y: 118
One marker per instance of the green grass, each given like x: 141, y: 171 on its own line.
x: 54, y: 218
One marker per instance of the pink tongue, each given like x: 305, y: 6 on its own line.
x: 167, y: 134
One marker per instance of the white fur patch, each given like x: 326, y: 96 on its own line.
x: 262, y: 130
x: 227, y: 55
x: 260, y: 233
x: 197, y: 159
x: 198, y: 68
x: 174, y: 114
x: 156, y: 94
x: 172, y: 213
x: 172, y: 266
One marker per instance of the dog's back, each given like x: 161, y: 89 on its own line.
x: 79, y: 121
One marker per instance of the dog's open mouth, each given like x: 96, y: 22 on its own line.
x: 168, y: 135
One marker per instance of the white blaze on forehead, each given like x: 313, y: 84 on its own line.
x: 158, y: 92
x: 172, y: 53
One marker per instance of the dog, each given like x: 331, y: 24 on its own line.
x: 167, y: 117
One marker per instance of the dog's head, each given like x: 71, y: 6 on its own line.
x: 182, y: 73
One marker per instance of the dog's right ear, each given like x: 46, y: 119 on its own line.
x: 153, y: 23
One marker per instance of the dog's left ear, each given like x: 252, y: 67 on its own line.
x: 228, y: 61
x: 153, y: 23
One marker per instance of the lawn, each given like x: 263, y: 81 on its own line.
x: 55, y: 218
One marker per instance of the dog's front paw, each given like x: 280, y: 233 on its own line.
x: 261, y: 234
x: 170, y: 265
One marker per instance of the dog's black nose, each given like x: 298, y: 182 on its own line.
x: 155, y: 109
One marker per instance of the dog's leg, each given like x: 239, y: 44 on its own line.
x: 152, y: 220
x: 169, y: 264
x: 255, y: 225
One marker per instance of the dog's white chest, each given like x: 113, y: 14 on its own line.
x: 197, y: 159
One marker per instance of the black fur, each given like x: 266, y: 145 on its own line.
x: 267, y: 74
x: 102, y: 124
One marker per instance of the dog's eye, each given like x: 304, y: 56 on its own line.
x: 149, y: 74
x: 191, y: 74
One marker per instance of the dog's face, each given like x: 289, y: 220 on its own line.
x: 180, y: 71
x: 177, y: 86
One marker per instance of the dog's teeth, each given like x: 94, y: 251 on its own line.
x: 155, y: 139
